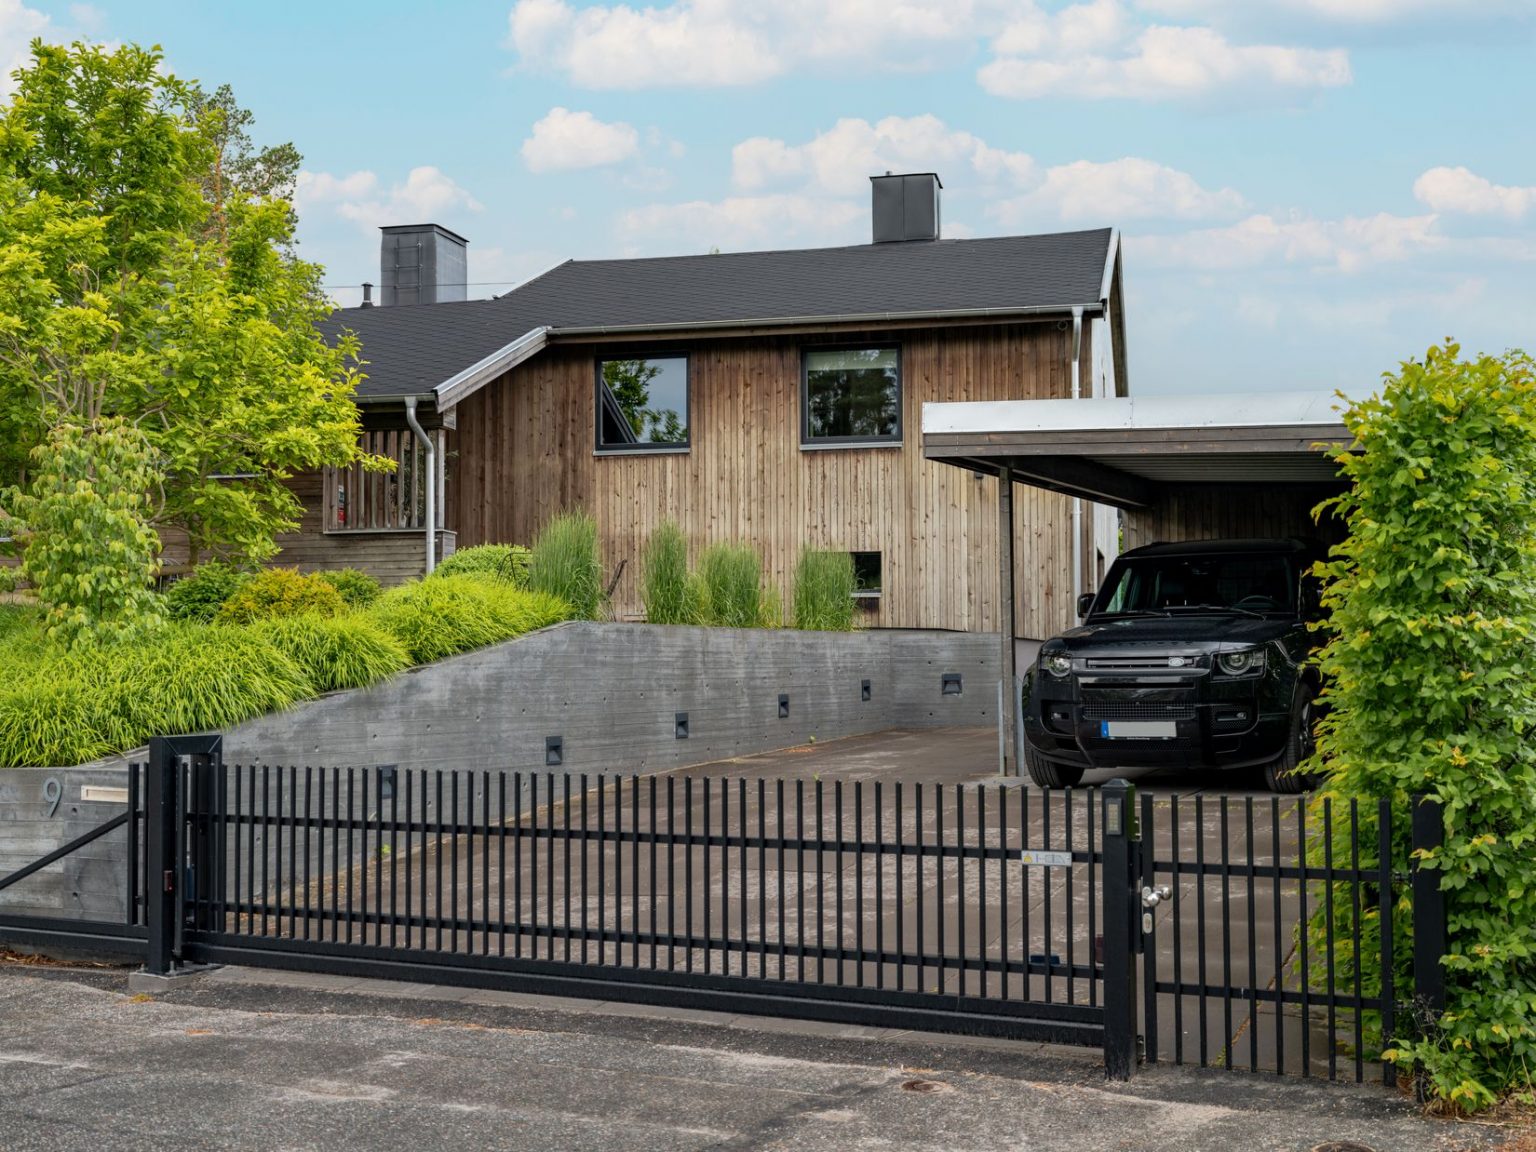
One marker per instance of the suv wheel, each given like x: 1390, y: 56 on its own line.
x: 1281, y: 773
x: 1048, y: 773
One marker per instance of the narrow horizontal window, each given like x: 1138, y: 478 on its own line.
x: 642, y: 402
x: 851, y: 395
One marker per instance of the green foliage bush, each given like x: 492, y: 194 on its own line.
x: 507, y: 561
x: 565, y: 564
x: 345, y: 652
x: 357, y: 588
x: 90, y: 551
x: 730, y: 586
x: 668, y: 594
x: 278, y: 592
x: 444, y: 616
x: 199, y: 596
x: 824, y: 587
x: 1429, y: 671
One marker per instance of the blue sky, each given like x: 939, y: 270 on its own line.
x: 1309, y: 190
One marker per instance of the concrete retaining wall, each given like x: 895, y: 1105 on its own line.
x: 91, y: 882
x: 611, y: 693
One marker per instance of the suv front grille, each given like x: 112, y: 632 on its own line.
x: 1139, y: 663
x: 1137, y: 710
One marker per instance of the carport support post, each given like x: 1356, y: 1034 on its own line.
x: 1008, y: 668
x: 1122, y: 933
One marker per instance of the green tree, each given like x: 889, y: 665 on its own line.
x: 1429, y: 672
x: 147, y: 273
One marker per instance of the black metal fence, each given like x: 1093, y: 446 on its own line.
x: 1252, y: 932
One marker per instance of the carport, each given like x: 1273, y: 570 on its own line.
x: 1177, y: 467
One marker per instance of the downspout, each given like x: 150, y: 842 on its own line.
x: 1077, y: 501
x: 431, y: 450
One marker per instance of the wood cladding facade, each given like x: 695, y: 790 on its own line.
x: 392, y: 555
x: 524, y: 451
x: 1225, y: 512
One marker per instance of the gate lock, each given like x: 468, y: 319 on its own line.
x: 1150, y: 899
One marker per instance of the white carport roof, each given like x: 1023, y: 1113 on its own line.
x: 1123, y: 450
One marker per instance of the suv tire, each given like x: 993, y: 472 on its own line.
x: 1048, y: 773
x: 1280, y: 774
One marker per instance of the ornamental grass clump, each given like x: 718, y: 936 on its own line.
x: 350, y: 651
x: 565, y: 564
x: 730, y: 586
x: 669, y: 595
x: 504, y: 561
x: 279, y: 592
x: 1429, y: 672
x: 824, y: 587
x: 442, y: 617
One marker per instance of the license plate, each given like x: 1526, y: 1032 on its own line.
x: 1138, y: 730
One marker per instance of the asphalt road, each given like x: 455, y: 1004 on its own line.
x: 244, y: 1062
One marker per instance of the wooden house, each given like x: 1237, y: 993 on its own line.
x: 773, y: 398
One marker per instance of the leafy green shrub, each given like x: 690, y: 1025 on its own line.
x: 1428, y: 671
x: 357, y: 588
x: 48, y: 720
x: 665, y: 589
x: 199, y: 596
x: 345, y: 652
x: 565, y: 563
x: 279, y: 592
x: 90, y: 485
x: 507, y: 561
x: 442, y: 617
x: 824, y: 587
x: 730, y: 583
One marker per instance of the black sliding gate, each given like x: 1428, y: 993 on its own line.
x: 1253, y: 932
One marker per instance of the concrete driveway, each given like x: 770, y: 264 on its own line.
x: 250, y: 1060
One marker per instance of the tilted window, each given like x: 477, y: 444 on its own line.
x: 357, y: 500
x: 851, y: 396
x: 642, y: 403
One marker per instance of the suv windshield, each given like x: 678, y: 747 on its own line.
x: 1247, y: 583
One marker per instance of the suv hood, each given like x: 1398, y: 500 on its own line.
x: 1185, y: 634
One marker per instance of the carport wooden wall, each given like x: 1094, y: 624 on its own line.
x: 1225, y: 511
x: 524, y: 451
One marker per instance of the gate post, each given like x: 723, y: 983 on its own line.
x: 1121, y: 898
x: 161, y: 843
x: 1429, y: 929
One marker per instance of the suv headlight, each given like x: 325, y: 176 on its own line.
x: 1057, y: 664
x: 1248, y: 662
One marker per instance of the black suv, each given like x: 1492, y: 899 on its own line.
x: 1189, y: 655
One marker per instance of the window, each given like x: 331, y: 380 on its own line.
x: 642, y: 403
x: 357, y: 500
x: 851, y: 396
x: 866, y: 573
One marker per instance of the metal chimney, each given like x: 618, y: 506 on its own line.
x: 422, y: 264
x: 905, y: 207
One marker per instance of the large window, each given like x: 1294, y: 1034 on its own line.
x: 642, y: 403
x: 851, y: 396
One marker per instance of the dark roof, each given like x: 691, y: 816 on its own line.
x: 413, y: 348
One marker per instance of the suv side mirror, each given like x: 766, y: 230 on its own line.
x: 1084, y: 603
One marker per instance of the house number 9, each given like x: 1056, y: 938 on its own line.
x: 53, y: 792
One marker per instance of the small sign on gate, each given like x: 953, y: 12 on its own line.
x: 1033, y: 859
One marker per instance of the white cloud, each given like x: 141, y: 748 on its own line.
x: 1126, y: 189
x: 425, y: 195
x: 743, y: 222
x: 1348, y: 245
x: 840, y: 161
x: 564, y: 140
x: 19, y: 25
x: 1462, y: 191
x: 1357, y: 12
x: 1093, y: 52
